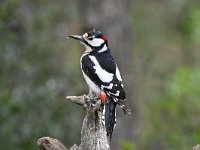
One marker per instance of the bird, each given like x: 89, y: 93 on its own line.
x: 102, y: 75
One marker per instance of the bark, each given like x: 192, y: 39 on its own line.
x: 93, y: 133
x: 196, y: 147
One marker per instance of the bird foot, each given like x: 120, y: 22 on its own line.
x: 96, y: 106
x: 99, y: 101
x: 93, y: 102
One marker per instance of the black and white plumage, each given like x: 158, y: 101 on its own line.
x: 102, y: 74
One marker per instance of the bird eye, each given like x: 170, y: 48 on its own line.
x: 90, y: 38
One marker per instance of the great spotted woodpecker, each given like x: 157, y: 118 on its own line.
x: 102, y: 75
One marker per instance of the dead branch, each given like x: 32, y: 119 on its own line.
x: 196, y: 147
x: 93, y: 133
x: 47, y: 143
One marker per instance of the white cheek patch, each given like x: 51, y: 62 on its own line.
x: 96, y: 42
x: 103, y: 75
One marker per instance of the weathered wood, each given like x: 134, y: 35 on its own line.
x: 196, y: 147
x: 48, y: 143
x: 80, y: 100
x: 93, y: 133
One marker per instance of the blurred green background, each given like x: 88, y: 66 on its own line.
x: 156, y: 44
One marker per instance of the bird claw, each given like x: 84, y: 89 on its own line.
x: 92, y: 102
x: 96, y: 106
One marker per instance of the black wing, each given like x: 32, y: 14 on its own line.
x: 113, y: 88
x: 88, y: 69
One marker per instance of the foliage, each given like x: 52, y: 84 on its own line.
x: 193, y: 23
x: 34, y: 75
x: 173, y: 116
x: 127, y: 146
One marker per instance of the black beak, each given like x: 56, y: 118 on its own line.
x: 77, y: 37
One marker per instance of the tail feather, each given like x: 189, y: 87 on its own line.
x: 110, y: 116
x: 125, y: 109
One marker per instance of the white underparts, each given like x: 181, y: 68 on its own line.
x: 91, y: 84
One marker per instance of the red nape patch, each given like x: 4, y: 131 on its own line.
x: 104, y: 38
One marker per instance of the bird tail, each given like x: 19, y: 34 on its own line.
x: 110, y: 116
x: 124, y: 107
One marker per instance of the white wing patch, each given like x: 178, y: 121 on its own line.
x: 103, y: 75
x: 118, y: 74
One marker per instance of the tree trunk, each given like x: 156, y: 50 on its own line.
x: 93, y: 133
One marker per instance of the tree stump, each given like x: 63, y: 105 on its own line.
x: 93, y: 133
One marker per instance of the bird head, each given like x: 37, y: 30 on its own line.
x: 92, y: 39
